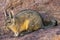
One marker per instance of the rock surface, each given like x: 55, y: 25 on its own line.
x: 47, y: 8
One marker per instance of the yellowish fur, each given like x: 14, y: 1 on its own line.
x: 24, y: 26
x: 26, y: 20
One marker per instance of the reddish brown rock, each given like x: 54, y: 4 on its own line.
x: 47, y: 8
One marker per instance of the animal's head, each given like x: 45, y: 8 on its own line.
x: 9, y: 17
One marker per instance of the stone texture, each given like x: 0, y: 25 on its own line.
x: 47, y: 8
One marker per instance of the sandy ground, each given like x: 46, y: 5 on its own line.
x: 47, y: 8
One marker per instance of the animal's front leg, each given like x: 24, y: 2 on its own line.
x: 16, y: 34
x: 14, y: 29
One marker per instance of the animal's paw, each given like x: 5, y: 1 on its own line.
x: 16, y: 34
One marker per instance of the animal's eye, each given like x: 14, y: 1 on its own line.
x: 9, y: 22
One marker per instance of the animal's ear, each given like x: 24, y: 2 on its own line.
x: 6, y: 13
x: 11, y: 14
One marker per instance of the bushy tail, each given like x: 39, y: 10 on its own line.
x: 50, y: 24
